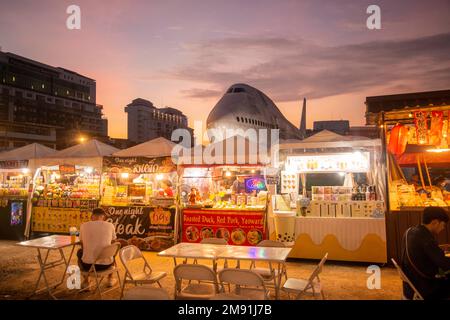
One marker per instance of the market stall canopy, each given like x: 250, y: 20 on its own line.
x: 329, y: 139
x: 236, y: 150
x: 28, y: 153
x: 159, y: 147
x: 33, y: 150
x: 89, y: 153
x: 424, y: 154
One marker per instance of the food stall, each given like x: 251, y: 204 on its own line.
x: 416, y: 142
x: 333, y: 188
x: 16, y: 174
x: 220, y: 200
x: 139, y: 190
x: 66, y: 187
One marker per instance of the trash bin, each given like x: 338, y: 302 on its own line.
x: 285, y: 226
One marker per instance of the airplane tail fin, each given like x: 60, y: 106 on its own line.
x: 303, y: 120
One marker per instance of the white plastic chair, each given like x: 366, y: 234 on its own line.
x: 417, y: 295
x: 206, y: 288
x: 107, y: 253
x: 270, y: 274
x: 130, y: 256
x: 311, y: 286
x: 146, y: 293
x: 248, y: 285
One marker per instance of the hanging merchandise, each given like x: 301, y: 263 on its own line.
x: 420, y: 120
x: 437, y: 118
x: 444, y: 143
x: 398, y: 139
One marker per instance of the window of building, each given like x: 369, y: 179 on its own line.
x: 13, y: 78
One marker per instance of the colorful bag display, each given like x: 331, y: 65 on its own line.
x: 420, y: 120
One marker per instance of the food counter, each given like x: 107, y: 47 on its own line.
x: 416, y: 142
x: 15, y: 178
x: 138, y: 195
x: 63, y: 197
x: 227, y: 202
x: 331, y: 201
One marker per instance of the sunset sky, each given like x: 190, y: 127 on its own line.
x: 185, y: 53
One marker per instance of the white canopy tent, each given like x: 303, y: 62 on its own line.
x: 158, y: 147
x: 89, y: 153
x: 30, y: 152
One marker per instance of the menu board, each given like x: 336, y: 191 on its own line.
x: 58, y: 220
x: 341, y: 162
x: 237, y: 227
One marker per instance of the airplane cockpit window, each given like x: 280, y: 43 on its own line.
x: 230, y: 90
x: 239, y: 90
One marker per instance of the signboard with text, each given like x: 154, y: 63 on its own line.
x: 138, y: 165
x: 237, y: 227
x: 148, y: 228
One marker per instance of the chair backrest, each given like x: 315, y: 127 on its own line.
x: 271, y: 243
x: 241, y: 277
x: 404, y: 278
x: 129, y: 253
x: 318, y: 268
x: 194, y: 272
x: 220, y: 241
x: 109, y: 252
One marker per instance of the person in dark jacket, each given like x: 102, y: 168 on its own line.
x: 422, y: 259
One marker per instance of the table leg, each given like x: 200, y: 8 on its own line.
x: 42, y: 265
x: 278, y: 282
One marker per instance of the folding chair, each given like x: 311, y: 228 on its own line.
x: 270, y: 274
x: 311, y: 286
x: 206, y: 288
x: 417, y: 295
x: 107, y: 253
x: 130, y: 256
x: 248, y: 285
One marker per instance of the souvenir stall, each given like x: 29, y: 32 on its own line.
x: 224, y: 199
x: 139, y: 190
x: 16, y: 174
x: 418, y: 159
x: 332, y: 188
x: 66, y: 187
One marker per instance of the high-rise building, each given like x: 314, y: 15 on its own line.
x: 146, y: 122
x: 45, y: 104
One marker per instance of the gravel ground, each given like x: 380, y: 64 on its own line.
x: 19, y: 270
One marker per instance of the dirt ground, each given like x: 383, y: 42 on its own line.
x: 19, y: 270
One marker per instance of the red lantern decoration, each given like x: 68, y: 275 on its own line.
x: 398, y: 139
x: 437, y: 121
x: 420, y: 119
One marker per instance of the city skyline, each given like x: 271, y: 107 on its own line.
x: 185, y: 54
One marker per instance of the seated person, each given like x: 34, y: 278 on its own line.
x: 422, y: 258
x: 95, y: 235
x: 166, y: 189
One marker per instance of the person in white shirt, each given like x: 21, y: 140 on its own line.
x: 95, y: 235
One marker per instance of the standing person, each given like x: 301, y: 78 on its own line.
x: 95, y: 235
x: 423, y: 259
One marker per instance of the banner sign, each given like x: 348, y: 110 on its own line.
x: 245, y: 228
x: 148, y: 228
x: 138, y: 165
x: 67, y: 169
x: 13, y: 164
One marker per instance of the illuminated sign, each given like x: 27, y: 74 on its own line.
x: 341, y: 162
